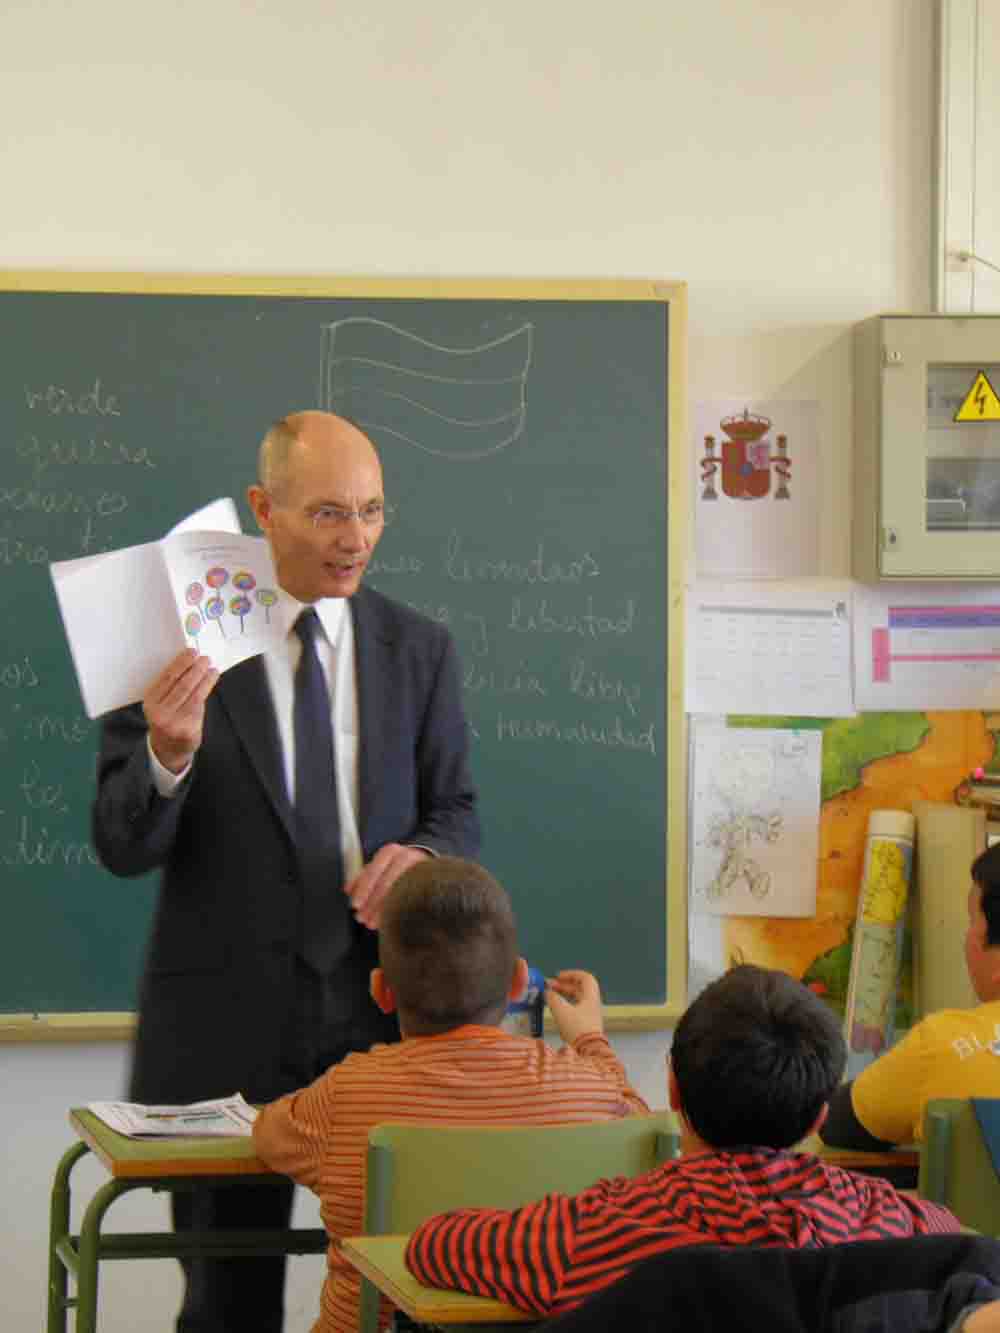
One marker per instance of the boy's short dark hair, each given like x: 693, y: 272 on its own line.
x: 448, y: 944
x: 756, y: 1057
x: 986, y: 873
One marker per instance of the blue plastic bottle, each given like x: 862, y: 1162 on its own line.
x: 524, y: 1016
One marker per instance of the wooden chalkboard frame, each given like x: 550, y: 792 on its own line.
x: 107, y: 1026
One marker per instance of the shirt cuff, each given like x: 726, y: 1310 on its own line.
x: 165, y: 782
x: 582, y: 1037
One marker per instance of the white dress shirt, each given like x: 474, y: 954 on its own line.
x: 336, y: 655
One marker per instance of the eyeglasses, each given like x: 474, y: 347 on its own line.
x: 328, y: 517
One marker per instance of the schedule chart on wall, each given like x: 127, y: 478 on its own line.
x: 769, y: 648
x: 927, y: 646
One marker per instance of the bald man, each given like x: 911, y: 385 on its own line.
x: 242, y: 989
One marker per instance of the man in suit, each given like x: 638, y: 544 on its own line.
x: 273, y: 874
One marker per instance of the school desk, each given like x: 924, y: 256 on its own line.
x: 381, y: 1260
x: 160, y: 1164
x: 176, y: 1164
x: 900, y: 1166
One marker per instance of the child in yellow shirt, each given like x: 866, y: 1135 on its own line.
x: 953, y: 1053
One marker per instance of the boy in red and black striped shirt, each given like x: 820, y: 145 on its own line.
x: 754, y: 1062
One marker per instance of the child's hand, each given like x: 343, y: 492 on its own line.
x: 574, y: 1000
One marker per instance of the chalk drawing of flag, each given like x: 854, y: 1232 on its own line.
x: 458, y: 403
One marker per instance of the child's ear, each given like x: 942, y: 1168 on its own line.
x: 673, y: 1092
x: 381, y: 992
x: 519, y: 981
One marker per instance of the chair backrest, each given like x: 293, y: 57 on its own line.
x: 417, y: 1170
x: 414, y: 1171
x: 956, y: 1168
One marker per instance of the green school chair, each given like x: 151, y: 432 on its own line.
x: 414, y: 1171
x: 956, y: 1167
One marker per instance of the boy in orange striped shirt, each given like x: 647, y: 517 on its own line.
x: 449, y: 965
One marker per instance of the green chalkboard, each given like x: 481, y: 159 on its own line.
x: 526, y: 433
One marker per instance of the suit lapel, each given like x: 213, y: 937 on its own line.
x: 372, y: 672
x: 245, y: 696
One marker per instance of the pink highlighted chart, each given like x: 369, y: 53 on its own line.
x: 934, y: 635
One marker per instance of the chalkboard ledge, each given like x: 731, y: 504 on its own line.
x: 66, y: 1027
x: 121, y: 1027
x: 635, y: 1017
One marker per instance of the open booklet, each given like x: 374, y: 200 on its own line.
x: 221, y: 1117
x: 128, y: 613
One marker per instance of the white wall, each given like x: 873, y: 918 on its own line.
x: 775, y: 155
x: 968, y: 195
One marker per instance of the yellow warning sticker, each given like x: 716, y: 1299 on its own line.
x: 981, y: 402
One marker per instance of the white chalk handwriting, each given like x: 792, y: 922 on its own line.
x: 57, y: 400
x: 541, y: 619
x: 461, y: 568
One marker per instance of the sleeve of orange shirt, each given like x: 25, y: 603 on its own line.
x: 289, y: 1133
x: 595, y: 1047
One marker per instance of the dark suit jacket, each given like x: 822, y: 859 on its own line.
x: 218, y: 982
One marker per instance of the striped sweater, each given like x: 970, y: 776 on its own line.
x: 472, y: 1075
x: 548, y: 1256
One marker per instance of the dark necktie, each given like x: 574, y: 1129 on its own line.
x: 326, y: 926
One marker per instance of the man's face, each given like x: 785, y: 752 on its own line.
x: 335, y: 479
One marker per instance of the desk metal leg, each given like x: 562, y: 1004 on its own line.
x: 78, y: 1257
x: 59, y: 1208
x: 89, y: 1250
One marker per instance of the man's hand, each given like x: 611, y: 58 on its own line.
x: 574, y: 1000
x: 368, y: 888
x: 174, y: 706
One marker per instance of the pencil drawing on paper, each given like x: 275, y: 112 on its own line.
x: 735, y: 836
x: 745, y: 783
x: 755, y: 804
x: 458, y: 403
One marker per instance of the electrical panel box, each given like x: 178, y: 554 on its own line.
x: 927, y: 447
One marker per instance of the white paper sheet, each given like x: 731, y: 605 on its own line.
x: 754, y: 820
x: 774, y: 648
x: 216, y: 516
x: 221, y: 1117
x: 926, y: 646
x: 127, y: 613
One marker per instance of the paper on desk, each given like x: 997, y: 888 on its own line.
x: 128, y: 613
x: 772, y: 648
x: 229, y: 1117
